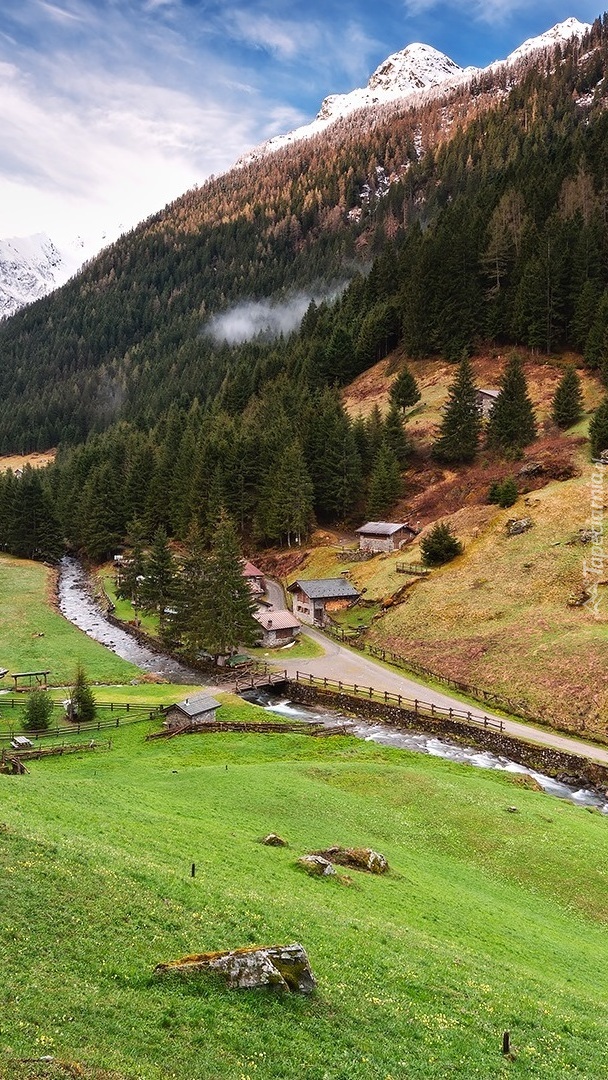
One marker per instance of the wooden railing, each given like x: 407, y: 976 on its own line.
x: 384, y: 697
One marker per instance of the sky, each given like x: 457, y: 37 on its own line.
x: 109, y: 109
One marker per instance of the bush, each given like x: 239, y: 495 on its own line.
x: 38, y: 711
x: 503, y: 492
x: 81, y: 706
x: 440, y: 546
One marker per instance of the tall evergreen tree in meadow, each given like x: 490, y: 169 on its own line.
x: 384, y: 484
x: 512, y: 425
x: 81, y: 703
x: 460, y: 429
x: 226, y: 601
x: 405, y: 390
x: 567, y: 407
x: 186, y: 624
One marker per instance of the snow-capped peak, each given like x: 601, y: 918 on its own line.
x: 561, y: 32
x: 415, y: 70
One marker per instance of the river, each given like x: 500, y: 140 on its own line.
x: 77, y: 605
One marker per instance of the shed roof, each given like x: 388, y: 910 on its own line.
x: 488, y: 393
x: 325, y: 588
x: 277, y: 619
x: 382, y: 528
x: 194, y: 706
x: 249, y: 570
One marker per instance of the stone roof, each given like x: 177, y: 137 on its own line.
x: 194, y: 706
x: 279, y: 619
x: 325, y: 588
x: 381, y: 528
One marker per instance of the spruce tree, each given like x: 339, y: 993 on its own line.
x: 157, y: 588
x: 461, y: 424
x: 440, y: 545
x: 38, y: 711
x: 81, y: 704
x: 598, y: 430
x: 226, y: 602
x: 511, y: 425
x: 404, y: 391
x: 384, y: 483
x: 567, y: 407
x: 396, y: 437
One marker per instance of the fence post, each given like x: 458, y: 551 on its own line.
x: 450, y: 712
x: 432, y: 708
x: 355, y: 688
x: 416, y: 706
x: 371, y: 692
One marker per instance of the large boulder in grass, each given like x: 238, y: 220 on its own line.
x: 285, y: 967
x: 316, y: 865
x: 356, y: 858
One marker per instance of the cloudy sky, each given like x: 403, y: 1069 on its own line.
x: 111, y: 108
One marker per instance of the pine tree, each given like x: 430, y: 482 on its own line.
x: 384, y: 484
x: 511, y: 425
x: 395, y: 436
x: 81, y: 704
x: 185, y: 625
x: 404, y: 391
x: 461, y: 424
x: 285, y: 505
x: 157, y: 588
x: 132, y: 570
x: 38, y: 711
x: 567, y: 407
x: 440, y: 545
x: 226, y: 602
x: 598, y: 430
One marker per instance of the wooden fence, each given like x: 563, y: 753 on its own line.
x: 137, y: 713
x: 414, y: 705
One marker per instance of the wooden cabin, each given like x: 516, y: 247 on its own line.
x: 279, y: 627
x: 378, y: 536
x: 315, y: 600
x: 486, y: 400
x: 196, y: 711
x: 255, y: 577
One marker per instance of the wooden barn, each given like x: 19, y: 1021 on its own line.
x: 486, y: 400
x: 378, y: 536
x: 278, y: 627
x: 196, y: 711
x: 315, y: 600
x: 255, y: 577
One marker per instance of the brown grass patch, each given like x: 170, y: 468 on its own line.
x: 38, y: 460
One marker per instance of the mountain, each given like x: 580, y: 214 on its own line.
x: 442, y: 220
x: 33, y: 266
x: 416, y: 70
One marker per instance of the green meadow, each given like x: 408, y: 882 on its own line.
x: 488, y: 920
x: 35, y: 637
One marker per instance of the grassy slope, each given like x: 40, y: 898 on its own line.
x: 489, y: 920
x: 26, y: 612
x: 498, y: 617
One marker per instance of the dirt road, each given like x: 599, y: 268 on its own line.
x: 350, y: 666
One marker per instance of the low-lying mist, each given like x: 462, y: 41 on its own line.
x: 267, y: 319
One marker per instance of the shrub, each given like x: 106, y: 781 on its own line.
x: 38, y: 711
x: 81, y: 706
x: 440, y: 545
x: 503, y: 492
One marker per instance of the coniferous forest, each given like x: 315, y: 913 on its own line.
x: 476, y: 219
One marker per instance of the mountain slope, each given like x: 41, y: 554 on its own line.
x: 128, y: 337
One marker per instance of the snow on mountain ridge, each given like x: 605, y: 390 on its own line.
x: 414, y: 70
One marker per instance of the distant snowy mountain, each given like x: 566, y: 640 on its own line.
x: 32, y: 266
x: 415, y: 70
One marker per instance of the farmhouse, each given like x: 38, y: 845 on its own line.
x: 314, y: 600
x: 255, y: 577
x: 384, y: 536
x: 195, y: 711
x: 278, y: 627
x: 486, y: 400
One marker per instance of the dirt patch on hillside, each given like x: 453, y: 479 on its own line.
x: 38, y: 460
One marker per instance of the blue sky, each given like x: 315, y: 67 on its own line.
x: 111, y: 108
